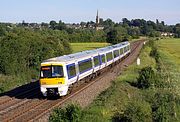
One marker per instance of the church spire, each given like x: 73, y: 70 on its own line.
x: 97, y: 18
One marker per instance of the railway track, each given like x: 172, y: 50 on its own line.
x: 18, y: 93
x: 33, y: 109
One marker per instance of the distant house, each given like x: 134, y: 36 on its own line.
x: 167, y: 34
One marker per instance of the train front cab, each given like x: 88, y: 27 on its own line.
x: 53, y: 80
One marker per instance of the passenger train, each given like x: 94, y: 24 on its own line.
x: 59, y: 73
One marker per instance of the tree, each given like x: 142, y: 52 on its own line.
x: 23, y: 50
x: 126, y: 21
x: 44, y: 25
x: 53, y: 24
x: 83, y: 24
x: 177, y: 31
x: 157, y: 22
x: 2, y: 30
x: 108, y: 23
x: 61, y: 25
x: 112, y: 37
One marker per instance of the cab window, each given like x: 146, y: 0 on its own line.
x: 46, y: 72
x: 51, y: 71
x: 57, y: 71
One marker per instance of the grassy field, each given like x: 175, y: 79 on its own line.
x: 170, y: 57
x: 77, y: 47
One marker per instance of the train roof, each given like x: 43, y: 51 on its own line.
x: 79, y: 55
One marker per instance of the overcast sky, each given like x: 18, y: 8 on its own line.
x: 75, y: 11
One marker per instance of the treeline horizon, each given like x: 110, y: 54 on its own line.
x: 112, y: 33
x: 101, y: 19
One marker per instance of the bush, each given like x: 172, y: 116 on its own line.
x: 147, y: 78
x: 163, y: 106
x: 72, y: 113
x: 1, y: 90
x: 155, y: 54
x: 135, y: 111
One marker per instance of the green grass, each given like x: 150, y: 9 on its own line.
x: 77, y: 47
x: 10, y: 82
x: 170, y: 58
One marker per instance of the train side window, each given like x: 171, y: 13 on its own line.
x: 85, y: 65
x: 124, y: 49
x: 103, y: 58
x: 71, y: 70
x: 116, y: 53
x: 96, y: 61
x: 121, y: 51
x: 109, y: 56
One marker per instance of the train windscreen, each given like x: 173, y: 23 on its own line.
x: 52, y: 72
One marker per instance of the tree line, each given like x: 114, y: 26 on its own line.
x: 115, y: 32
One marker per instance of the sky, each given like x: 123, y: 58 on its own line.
x: 75, y: 11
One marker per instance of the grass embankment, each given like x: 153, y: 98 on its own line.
x: 77, y: 47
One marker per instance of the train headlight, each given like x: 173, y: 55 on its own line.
x: 43, y: 83
x: 59, y: 82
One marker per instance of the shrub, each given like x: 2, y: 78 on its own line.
x: 72, y: 113
x: 163, y: 106
x: 1, y: 90
x: 155, y: 54
x: 147, y: 78
x: 135, y: 111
